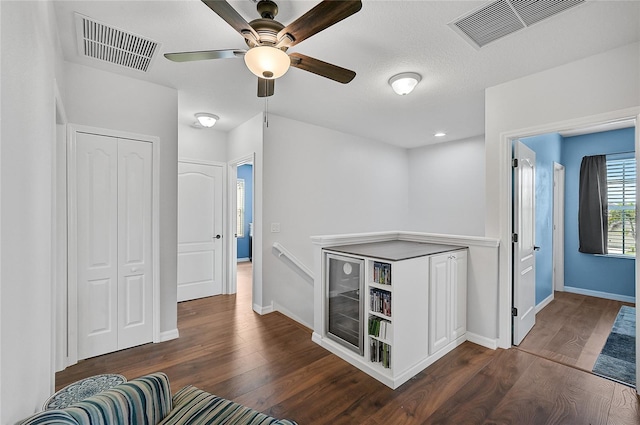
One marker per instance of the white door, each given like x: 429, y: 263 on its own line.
x: 200, y: 243
x: 113, y: 204
x: 524, y: 261
x: 97, y: 205
x: 135, y: 277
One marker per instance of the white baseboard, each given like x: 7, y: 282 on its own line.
x: 243, y: 260
x: 169, y: 335
x: 263, y: 310
x: 606, y: 295
x: 544, y: 303
x: 491, y: 343
x: 290, y: 315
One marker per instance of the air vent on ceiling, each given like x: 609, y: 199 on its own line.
x: 503, y: 17
x: 107, y: 43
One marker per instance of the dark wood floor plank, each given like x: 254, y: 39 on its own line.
x: 476, y: 400
x: 545, y: 395
x: 270, y: 363
x: 431, y: 388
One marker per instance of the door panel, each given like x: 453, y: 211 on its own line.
x: 134, y: 243
x: 199, y: 222
x: 439, y: 315
x: 97, y: 196
x: 524, y: 262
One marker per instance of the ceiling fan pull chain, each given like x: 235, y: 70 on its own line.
x: 266, y: 111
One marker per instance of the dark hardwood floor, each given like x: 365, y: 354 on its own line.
x: 270, y: 363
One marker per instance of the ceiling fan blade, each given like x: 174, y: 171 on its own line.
x: 321, y: 17
x: 266, y: 87
x: 233, y: 18
x: 324, y: 69
x: 204, y: 55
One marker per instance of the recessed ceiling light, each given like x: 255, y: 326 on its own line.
x: 440, y: 134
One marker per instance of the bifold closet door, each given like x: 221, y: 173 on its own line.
x: 114, y: 282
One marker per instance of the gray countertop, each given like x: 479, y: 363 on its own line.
x: 394, y: 250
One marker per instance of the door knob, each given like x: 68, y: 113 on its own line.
x: 536, y: 248
x: 218, y: 236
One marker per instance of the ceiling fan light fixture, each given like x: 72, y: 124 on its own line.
x: 404, y: 83
x: 206, y: 120
x: 267, y: 62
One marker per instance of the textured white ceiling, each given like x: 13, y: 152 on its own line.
x: 383, y: 39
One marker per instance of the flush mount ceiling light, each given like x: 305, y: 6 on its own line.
x: 267, y: 62
x: 404, y: 83
x: 206, y: 120
x: 440, y: 134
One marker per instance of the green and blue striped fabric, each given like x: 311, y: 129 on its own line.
x: 141, y: 401
x: 50, y: 417
x: 193, y: 406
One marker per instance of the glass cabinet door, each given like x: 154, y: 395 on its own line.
x: 345, y: 282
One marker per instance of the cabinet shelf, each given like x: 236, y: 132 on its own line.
x: 381, y: 315
x: 386, y: 341
x: 381, y: 286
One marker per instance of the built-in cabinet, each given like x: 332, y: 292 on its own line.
x: 413, y: 310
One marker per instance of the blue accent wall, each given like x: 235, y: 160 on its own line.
x: 587, y: 271
x: 245, y: 172
x: 548, y: 150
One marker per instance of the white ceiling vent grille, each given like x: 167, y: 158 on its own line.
x: 107, y: 43
x: 503, y: 17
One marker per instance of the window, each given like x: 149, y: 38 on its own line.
x: 240, y: 213
x: 621, y: 201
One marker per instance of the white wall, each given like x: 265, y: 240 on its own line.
x: 106, y: 100
x: 596, y: 86
x: 318, y: 182
x: 30, y: 61
x: 446, y: 188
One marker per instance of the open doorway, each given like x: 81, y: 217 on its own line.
x: 241, y: 218
x: 576, y: 306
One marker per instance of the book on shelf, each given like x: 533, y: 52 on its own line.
x: 382, y: 273
x: 380, y: 328
x: 380, y: 301
x: 380, y: 352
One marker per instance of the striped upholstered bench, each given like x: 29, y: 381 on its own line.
x: 147, y: 401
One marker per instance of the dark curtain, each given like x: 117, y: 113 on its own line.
x: 592, y: 209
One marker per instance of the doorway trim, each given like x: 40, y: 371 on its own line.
x: 71, y: 329
x: 505, y: 283
x: 232, y: 263
x: 558, y: 227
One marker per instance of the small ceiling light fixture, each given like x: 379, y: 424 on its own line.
x: 404, y: 83
x: 206, y: 120
x: 440, y: 134
x: 267, y: 62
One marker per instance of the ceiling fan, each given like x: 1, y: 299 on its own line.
x: 268, y: 41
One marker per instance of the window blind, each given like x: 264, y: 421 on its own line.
x: 621, y: 201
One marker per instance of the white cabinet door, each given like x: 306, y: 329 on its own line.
x: 458, y: 264
x: 113, y: 190
x: 448, y: 299
x: 135, y: 280
x: 440, y: 300
x: 200, y: 243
